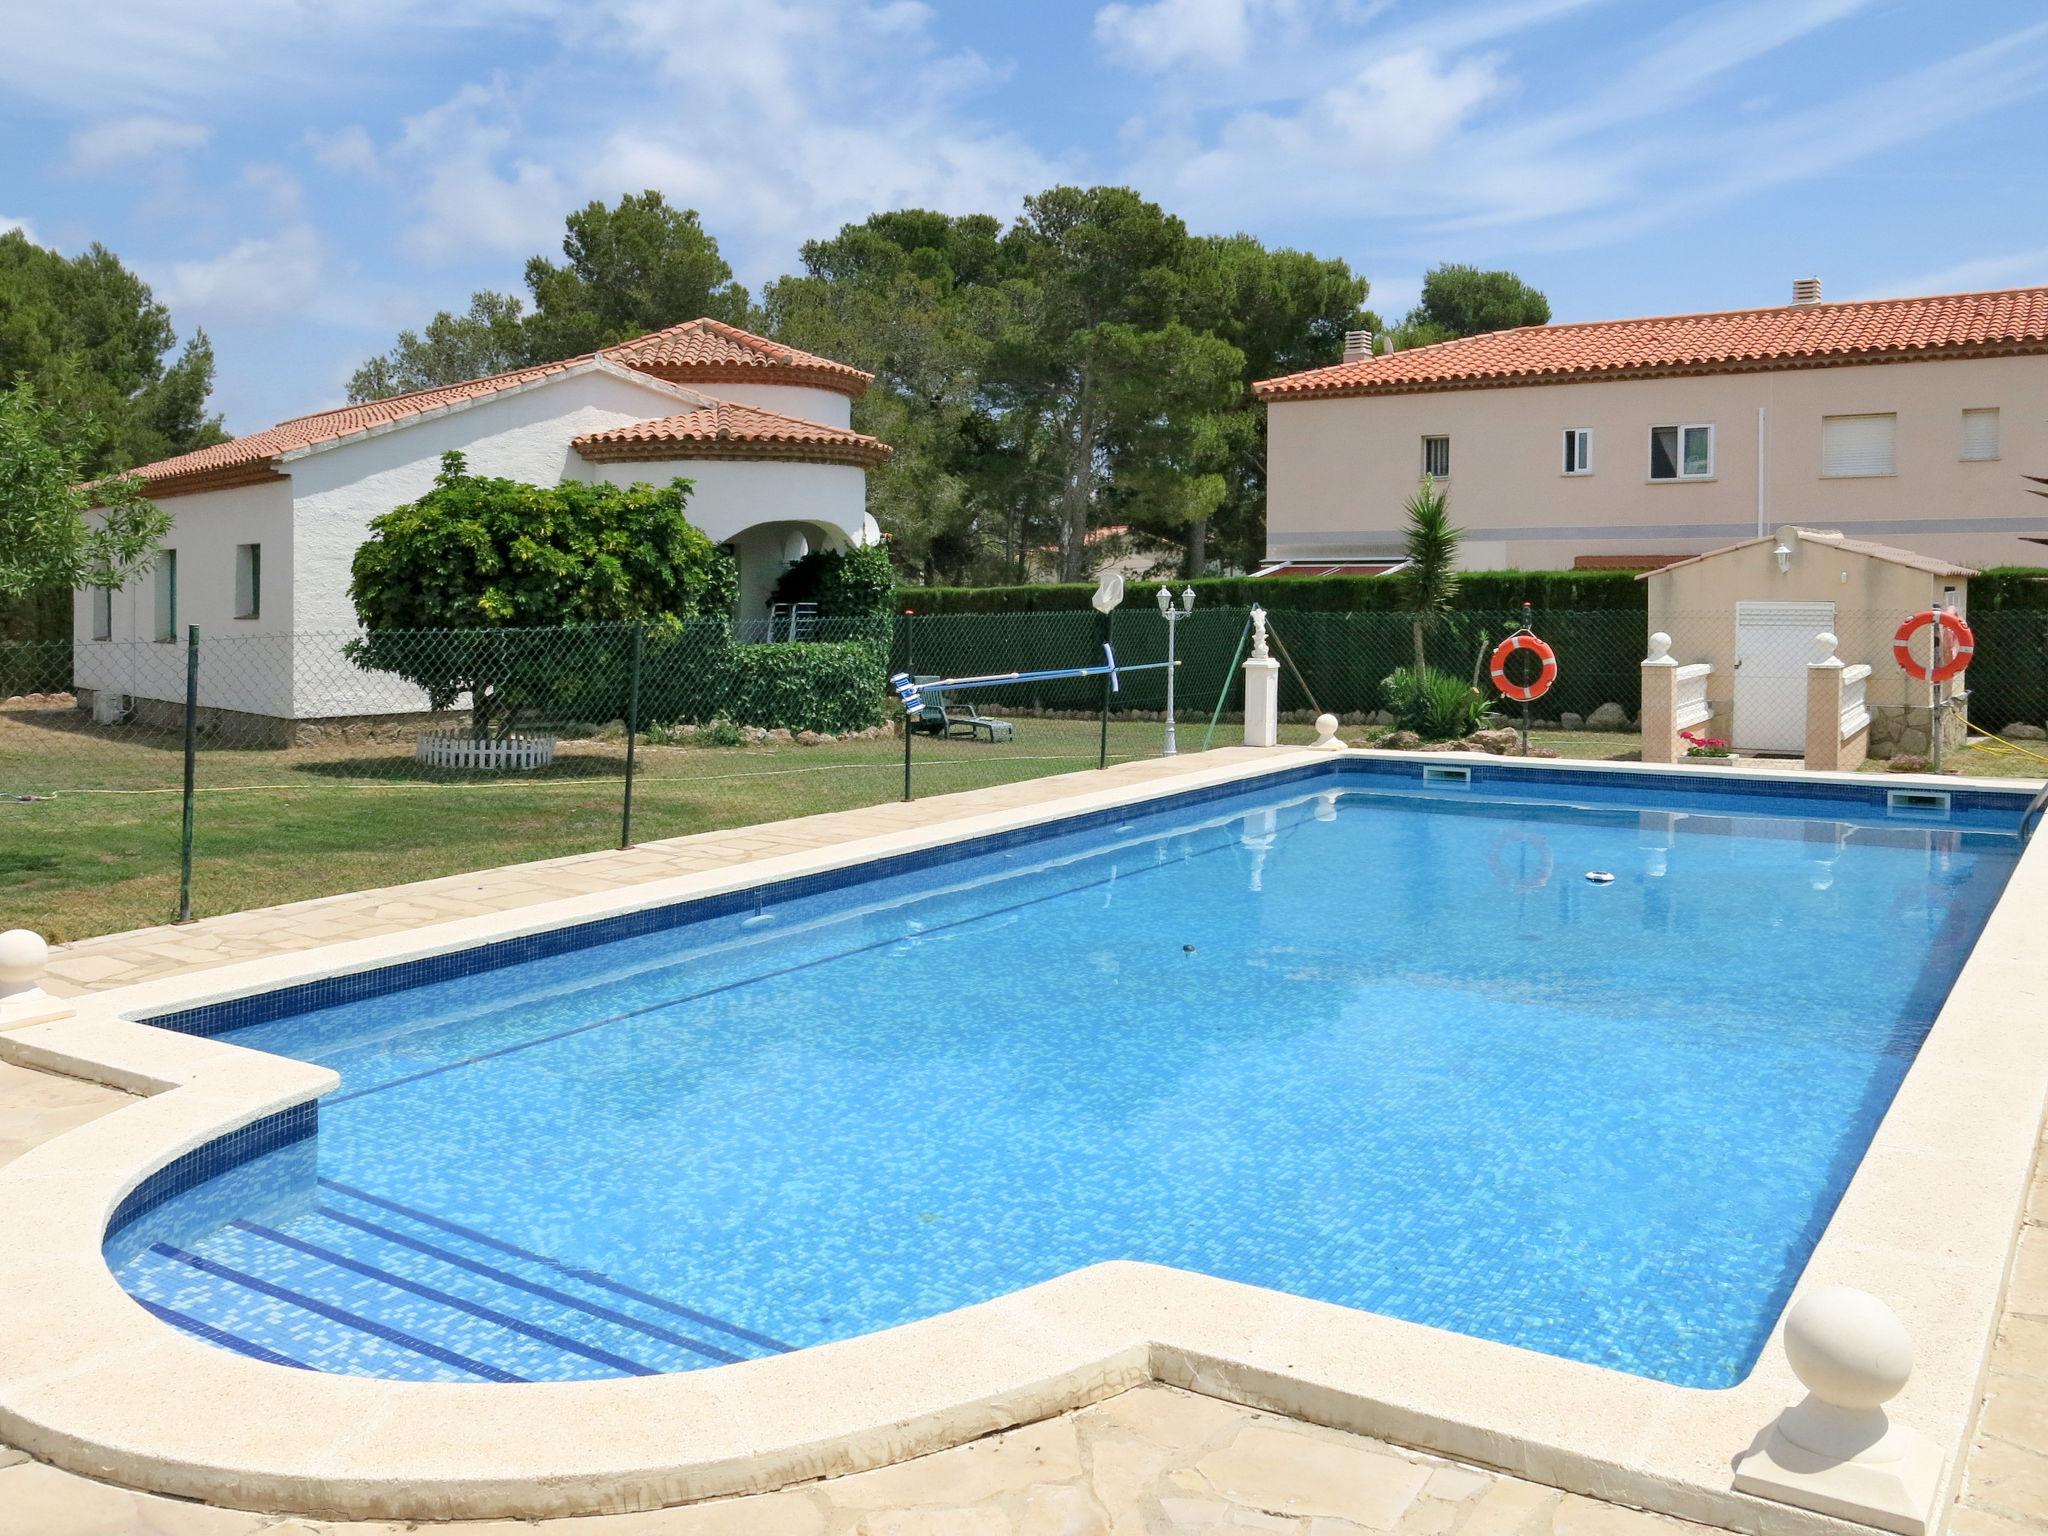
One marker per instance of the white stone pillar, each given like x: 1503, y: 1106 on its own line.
x: 1836, y: 1450
x: 1261, y: 689
x: 1659, y: 713
x: 1262, y: 702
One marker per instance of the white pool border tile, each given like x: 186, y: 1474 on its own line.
x: 92, y: 1383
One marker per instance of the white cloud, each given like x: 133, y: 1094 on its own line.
x: 1160, y: 35
x: 261, y: 278
x: 28, y: 230
x: 349, y: 151
x: 473, y: 189
x: 2011, y: 269
x: 124, y: 140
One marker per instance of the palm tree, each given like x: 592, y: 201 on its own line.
x: 1430, y: 579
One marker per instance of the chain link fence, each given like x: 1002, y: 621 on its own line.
x: 319, y: 763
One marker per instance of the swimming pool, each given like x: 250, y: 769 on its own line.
x: 1342, y: 1035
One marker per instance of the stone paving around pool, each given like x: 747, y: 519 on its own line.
x: 1151, y: 1460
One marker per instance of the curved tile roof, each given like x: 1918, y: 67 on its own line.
x: 697, y: 351
x: 1744, y: 340
x: 710, y: 351
x: 720, y: 429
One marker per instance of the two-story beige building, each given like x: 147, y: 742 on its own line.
x: 1911, y: 421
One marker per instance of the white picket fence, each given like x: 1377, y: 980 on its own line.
x: 441, y: 750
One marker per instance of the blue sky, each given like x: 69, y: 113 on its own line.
x: 303, y: 179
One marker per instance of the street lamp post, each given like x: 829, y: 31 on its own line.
x: 1173, y: 616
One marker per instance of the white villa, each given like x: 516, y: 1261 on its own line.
x: 265, y: 526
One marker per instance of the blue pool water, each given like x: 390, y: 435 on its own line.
x: 1343, y: 1037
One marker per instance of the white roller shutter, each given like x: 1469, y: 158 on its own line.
x: 1858, y: 445
x: 1980, y: 434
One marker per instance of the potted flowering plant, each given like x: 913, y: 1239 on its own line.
x: 1704, y: 746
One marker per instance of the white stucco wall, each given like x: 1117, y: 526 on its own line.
x: 245, y: 664
x: 311, y: 524
x: 824, y: 406
x: 1340, y: 470
x: 827, y: 501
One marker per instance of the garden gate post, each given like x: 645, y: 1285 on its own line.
x: 632, y: 731
x: 191, y: 775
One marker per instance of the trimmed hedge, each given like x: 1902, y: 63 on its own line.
x: 2011, y: 586
x: 819, y: 685
x: 1496, y: 591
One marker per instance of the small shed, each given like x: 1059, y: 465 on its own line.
x: 1751, y: 611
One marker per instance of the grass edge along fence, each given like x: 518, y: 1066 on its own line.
x: 641, y: 710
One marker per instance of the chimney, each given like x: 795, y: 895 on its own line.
x: 1357, y: 346
x: 1806, y: 290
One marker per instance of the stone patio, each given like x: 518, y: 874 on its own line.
x: 1153, y: 1459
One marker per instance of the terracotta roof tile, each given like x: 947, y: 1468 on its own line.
x: 697, y: 351
x: 1789, y: 336
x: 706, y: 351
x: 722, y: 430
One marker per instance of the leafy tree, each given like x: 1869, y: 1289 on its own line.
x: 93, y: 340
x: 1105, y: 378
x: 1430, y: 582
x: 628, y: 269
x: 50, y: 537
x: 481, y: 556
x: 1284, y: 310
x: 489, y: 338
x: 909, y: 296
x: 1458, y: 300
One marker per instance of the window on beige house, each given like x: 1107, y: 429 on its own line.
x: 1578, y: 450
x: 1856, y: 447
x: 1683, y: 452
x: 1436, y: 457
x: 102, y: 613
x: 1980, y: 434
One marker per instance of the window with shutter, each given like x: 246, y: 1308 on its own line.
x: 1436, y: 457
x: 1854, y: 446
x: 1980, y: 434
x: 167, y: 594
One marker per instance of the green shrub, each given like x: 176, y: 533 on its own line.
x: 1435, y: 705
x: 823, y: 685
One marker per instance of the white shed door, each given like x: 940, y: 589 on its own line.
x: 1773, y: 644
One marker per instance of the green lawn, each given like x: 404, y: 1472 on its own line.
x: 95, y: 848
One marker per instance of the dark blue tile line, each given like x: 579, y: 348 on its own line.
x: 201, y: 1329
x: 587, y: 1276
x: 239, y: 1013
x: 216, y: 1157
x: 335, y: 1101
x: 476, y: 1309
x: 533, y: 1287
x: 335, y: 1314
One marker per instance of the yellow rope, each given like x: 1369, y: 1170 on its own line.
x: 2008, y: 745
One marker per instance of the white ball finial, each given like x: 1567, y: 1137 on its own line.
x: 22, y: 957
x: 1847, y: 1347
x: 1660, y: 646
x: 1824, y: 646
x: 1326, y: 732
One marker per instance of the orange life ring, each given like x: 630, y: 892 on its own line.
x: 1522, y: 693
x: 1961, y: 644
